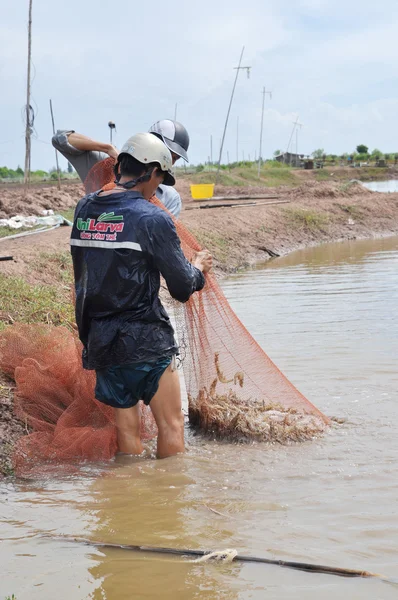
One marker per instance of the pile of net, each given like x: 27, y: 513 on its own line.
x: 55, y: 398
x: 234, y: 390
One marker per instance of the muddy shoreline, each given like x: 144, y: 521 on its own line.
x: 313, y: 213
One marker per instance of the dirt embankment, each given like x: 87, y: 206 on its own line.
x: 314, y: 213
x: 238, y: 236
x: 16, y: 202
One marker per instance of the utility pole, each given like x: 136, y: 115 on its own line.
x: 211, y: 149
x: 298, y: 125
x: 175, y: 112
x: 56, y: 153
x: 29, y: 120
x: 238, y: 68
x: 237, y: 140
x: 291, y: 137
x: 112, y: 126
x: 261, y: 130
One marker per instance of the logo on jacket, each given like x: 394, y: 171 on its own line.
x: 105, y: 227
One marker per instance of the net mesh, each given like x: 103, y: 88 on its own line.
x: 234, y: 389
x: 55, y: 398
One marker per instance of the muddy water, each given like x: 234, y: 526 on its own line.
x: 328, y: 317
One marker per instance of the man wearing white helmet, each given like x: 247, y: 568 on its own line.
x: 120, y: 245
x: 83, y: 153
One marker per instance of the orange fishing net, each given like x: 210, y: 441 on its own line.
x: 234, y: 389
x: 55, y: 398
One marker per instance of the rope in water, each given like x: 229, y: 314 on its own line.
x: 220, y: 555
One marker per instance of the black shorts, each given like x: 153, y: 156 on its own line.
x: 124, y: 386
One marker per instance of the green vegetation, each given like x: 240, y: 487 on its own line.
x: 366, y: 173
x: 14, y: 175
x: 50, y: 304
x: 318, y: 153
x: 68, y: 214
x: 352, y: 210
x: 11, y: 597
x: 272, y: 174
x: 361, y: 154
x: 362, y: 149
x: 6, y: 173
x: 322, y: 175
x: 7, y: 231
x: 57, y: 265
x: 310, y: 219
x: 213, y: 241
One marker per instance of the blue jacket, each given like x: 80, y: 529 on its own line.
x: 120, y: 245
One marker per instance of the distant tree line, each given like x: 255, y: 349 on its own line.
x: 361, y: 154
x: 6, y: 173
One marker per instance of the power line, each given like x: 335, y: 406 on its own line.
x: 238, y: 68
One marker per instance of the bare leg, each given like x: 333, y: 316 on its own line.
x: 128, y: 430
x: 167, y: 410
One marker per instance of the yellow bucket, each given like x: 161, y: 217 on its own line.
x: 201, y: 191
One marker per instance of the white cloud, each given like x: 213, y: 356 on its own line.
x: 331, y: 63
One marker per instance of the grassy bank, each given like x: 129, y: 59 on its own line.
x: 275, y: 174
x: 24, y: 302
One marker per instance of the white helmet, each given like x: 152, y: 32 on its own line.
x: 147, y: 148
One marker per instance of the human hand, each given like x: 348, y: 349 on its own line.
x: 112, y: 151
x: 203, y: 261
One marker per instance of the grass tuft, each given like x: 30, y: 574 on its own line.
x: 307, y: 218
x: 25, y: 303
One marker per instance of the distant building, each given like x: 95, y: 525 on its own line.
x: 288, y: 158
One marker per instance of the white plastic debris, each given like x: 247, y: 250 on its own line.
x: 21, y: 221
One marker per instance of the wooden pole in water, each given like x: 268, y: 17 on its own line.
x: 56, y: 153
x: 309, y: 567
x: 28, y: 129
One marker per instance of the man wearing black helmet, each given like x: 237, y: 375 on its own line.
x: 83, y: 153
x: 176, y: 138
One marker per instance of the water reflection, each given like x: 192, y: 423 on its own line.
x: 156, y: 503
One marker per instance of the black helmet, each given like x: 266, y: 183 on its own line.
x: 174, y: 135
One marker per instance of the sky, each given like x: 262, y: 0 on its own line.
x: 332, y: 65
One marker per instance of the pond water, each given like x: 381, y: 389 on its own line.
x: 381, y: 186
x: 328, y: 317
